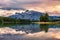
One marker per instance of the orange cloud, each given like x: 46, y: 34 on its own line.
x: 39, y: 5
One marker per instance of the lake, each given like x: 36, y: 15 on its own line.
x: 29, y: 31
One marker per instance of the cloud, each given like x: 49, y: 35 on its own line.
x: 20, y: 3
x: 31, y: 4
x: 55, y: 0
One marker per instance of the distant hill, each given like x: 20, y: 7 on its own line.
x: 54, y: 17
x: 7, y: 8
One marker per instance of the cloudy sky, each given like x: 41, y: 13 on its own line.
x: 39, y: 5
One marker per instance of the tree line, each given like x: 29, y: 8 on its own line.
x: 44, y: 18
x: 13, y: 20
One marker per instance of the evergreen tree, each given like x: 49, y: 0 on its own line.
x: 41, y: 18
x: 46, y: 17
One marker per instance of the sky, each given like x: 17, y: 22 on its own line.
x: 38, y: 5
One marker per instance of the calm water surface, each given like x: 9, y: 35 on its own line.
x: 29, y: 32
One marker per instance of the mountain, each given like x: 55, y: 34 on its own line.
x: 54, y: 17
x: 31, y: 15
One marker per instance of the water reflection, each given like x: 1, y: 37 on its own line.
x: 44, y: 27
x: 29, y: 32
x: 30, y: 28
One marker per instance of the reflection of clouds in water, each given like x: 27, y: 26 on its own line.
x: 10, y: 31
x: 12, y: 34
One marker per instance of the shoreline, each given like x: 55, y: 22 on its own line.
x: 35, y: 22
x: 47, y: 22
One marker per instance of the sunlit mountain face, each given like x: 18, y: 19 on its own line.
x: 50, y: 6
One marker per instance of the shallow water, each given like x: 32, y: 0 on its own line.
x: 30, y: 32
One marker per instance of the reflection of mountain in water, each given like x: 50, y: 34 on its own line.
x: 31, y: 28
x: 54, y: 26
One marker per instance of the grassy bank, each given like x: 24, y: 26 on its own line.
x: 47, y: 22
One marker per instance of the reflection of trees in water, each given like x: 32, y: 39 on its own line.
x: 44, y: 27
x: 28, y: 28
